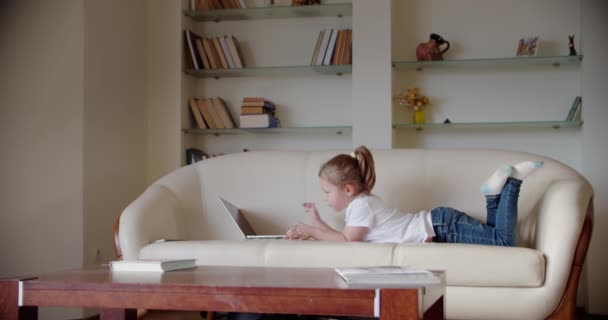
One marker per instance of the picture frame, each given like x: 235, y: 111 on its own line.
x: 528, y: 46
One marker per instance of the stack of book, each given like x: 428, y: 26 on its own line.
x: 222, y: 52
x: 211, y: 113
x: 197, y: 5
x: 258, y: 112
x: 333, y: 47
x: 575, y: 111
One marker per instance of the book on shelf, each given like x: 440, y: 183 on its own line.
x: 266, y: 104
x: 265, y: 120
x: 192, y: 49
x: 214, y: 112
x: 235, y: 51
x: 224, y: 113
x: 214, y: 58
x: 203, y: 53
x: 323, y: 48
x: 256, y: 110
x: 387, y: 275
x: 202, y: 107
x: 576, y: 104
x: 330, y: 47
x: 339, y: 48
x: 347, y: 58
x: 152, y: 265
x: 220, y: 52
x: 198, y: 117
x: 193, y: 155
x: 226, y: 51
x: 315, y: 53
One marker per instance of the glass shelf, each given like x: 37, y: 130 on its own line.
x: 271, y: 71
x: 494, y: 62
x: 489, y: 125
x: 272, y: 12
x: 338, y: 130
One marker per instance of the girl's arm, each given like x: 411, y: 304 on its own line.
x: 305, y: 231
x: 320, y: 230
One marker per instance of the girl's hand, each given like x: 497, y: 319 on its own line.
x: 311, y: 209
x: 300, y: 231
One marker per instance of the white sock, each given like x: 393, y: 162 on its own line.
x: 526, y: 168
x: 496, y: 181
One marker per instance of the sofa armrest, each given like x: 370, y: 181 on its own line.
x: 561, y: 216
x: 154, y: 215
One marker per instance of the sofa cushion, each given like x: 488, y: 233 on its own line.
x: 476, y: 265
x: 468, y: 265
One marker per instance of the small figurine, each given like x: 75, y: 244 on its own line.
x: 431, y: 50
x: 571, y: 45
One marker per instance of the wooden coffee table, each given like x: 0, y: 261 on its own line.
x: 218, y: 288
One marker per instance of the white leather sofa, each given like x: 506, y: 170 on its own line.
x: 538, y: 279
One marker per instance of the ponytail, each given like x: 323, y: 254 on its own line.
x: 366, y: 167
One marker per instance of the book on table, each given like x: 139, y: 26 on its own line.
x: 152, y: 265
x: 387, y: 275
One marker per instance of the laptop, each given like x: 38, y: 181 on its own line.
x: 243, y: 224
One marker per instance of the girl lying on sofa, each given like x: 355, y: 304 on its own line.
x: 347, y: 182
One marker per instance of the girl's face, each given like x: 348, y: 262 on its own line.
x: 337, y: 198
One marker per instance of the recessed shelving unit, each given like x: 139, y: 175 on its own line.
x: 338, y: 130
x: 270, y: 71
x: 490, y: 62
x: 272, y: 12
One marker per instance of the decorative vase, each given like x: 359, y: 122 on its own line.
x: 419, y: 116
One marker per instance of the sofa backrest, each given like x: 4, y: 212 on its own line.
x: 270, y: 187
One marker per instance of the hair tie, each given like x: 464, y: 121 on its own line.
x: 352, y: 154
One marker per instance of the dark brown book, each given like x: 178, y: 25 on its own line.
x: 339, y: 48
x: 348, y: 49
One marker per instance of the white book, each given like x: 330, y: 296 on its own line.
x: 227, y: 53
x: 330, y: 47
x: 258, y: 121
x: 152, y: 265
x: 387, y: 275
x: 323, y: 48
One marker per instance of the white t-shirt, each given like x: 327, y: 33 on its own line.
x: 387, y: 224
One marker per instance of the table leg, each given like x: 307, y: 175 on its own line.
x: 118, y: 314
x: 9, y: 302
x: 398, y: 304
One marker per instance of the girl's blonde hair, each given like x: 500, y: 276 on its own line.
x: 357, y: 169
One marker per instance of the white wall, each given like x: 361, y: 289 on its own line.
x: 72, y: 128
x: 595, y: 152
x: 41, y: 136
x: 114, y: 118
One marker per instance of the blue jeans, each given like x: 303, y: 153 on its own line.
x: 453, y: 226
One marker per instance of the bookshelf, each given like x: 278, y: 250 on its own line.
x: 337, y: 130
x: 270, y: 71
x: 489, y: 125
x: 258, y: 30
x: 272, y: 12
x: 507, y: 62
x: 510, y: 63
